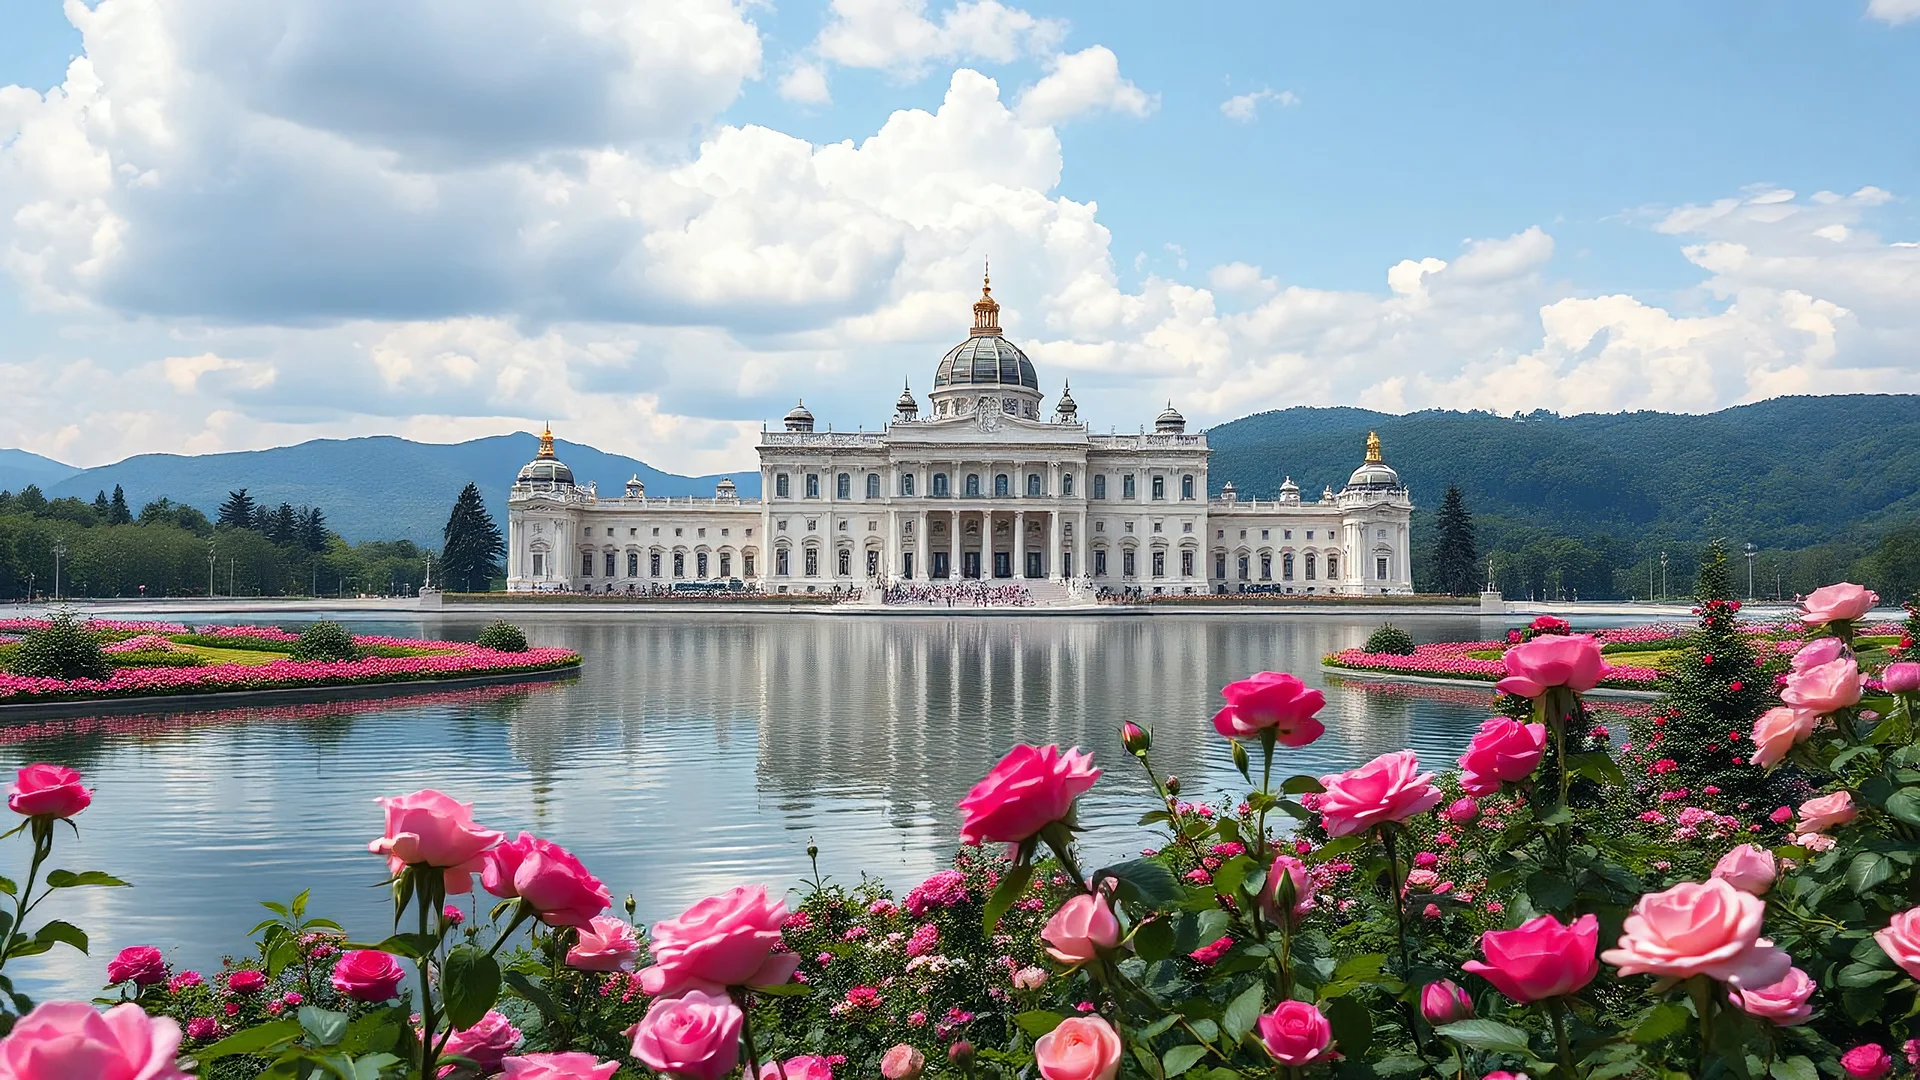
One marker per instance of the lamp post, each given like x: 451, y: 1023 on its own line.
x: 59, y: 552
x: 213, y: 557
x: 1663, y: 577
x: 1751, y: 551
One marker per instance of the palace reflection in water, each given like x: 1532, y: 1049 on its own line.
x: 688, y: 756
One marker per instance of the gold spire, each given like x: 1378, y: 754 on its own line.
x: 546, y: 442
x: 1373, y: 448
x: 986, y: 310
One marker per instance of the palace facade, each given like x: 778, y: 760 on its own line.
x: 984, y: 484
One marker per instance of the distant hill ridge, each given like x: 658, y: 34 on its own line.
x: 1789, y: 472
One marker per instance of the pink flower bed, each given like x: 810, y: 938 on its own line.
x: 22, y: 626
x: 1450, y: 659
x: 263, y: 633
x: 142, y: 643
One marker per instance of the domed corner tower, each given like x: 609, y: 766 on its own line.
x: 545, y: 472
x: 1374, y: 474
x: 985, y: 371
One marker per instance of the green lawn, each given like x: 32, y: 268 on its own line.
x: 248, y: 657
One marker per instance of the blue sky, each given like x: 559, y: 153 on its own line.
x: 243, y: 225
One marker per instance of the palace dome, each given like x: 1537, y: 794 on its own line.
x: 986, y: 360
x: 1374, y: 474
x: 545, y: 472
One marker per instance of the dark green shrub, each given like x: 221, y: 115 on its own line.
x: 1390, y: 639
x: 156, y: 658
x: 503, y: 636
x: 325, y: 641
x: 64, y: 650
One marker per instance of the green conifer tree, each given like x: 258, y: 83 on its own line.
x: 1716, y: 689
x: 239, y: 511
x: 117, y: 511
x: 473, y: 546
x: 1455, y: 559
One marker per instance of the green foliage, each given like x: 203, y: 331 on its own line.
x: 503, y: 636
x: 1390, y: 639
x: 1715, y: 580
x: 156, y: 658
x: 1456, y: 568
x: 473, y: 548
x: 325, y: 641
x: 239, y: 511
x: 64, y: 650
x: 1715, y: 691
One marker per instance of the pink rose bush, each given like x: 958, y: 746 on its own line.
x: 1390, y: 788
x: 1031, y: 788
x: 546, y: 878
x: 1539, y: 959
x: 722, y: 941
x: 428, y: 829
x: 695, y: 1034
x: 1502, y: 751
x: 1084, y: 925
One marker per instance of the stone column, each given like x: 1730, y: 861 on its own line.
x: 1053, y: 545
x: 890, y: 548
x: 953, y: 548
x: 924, y: 546
x: 1019, y: 543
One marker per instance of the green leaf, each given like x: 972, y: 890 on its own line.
x: 1231, y: 874
x: 1550, y: 890
x: 324, y: 1027
x: 470, y: 984
x: 1352, y: 1026
x: 1860, y: 975
x: 1181, y: 1058
x: 373, y: 1066
x: 1301, y: 785
x: 1795, y: 1068
x: 58, y: 931
x: 1142, y: 881
x: 1154, y: 817
x: 67, y: 879
x: 792, y: 989
x: 1151, y: 1031
x: 1240, y: 761
x: 1867, y: 870
x: 1040, y: 1021
x: 1004, y: 894
x: 251, y: 1040
x: 1598, y: 766
x: 1154, y: 939
x: 1660, y: 1022
x: 7, y: 886
x: 1241, y: 1013
x: 532, y: 993
x: 411, y: 946
x: 1486, y: 1035
x: 1905, y: 805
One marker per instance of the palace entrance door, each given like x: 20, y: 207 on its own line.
x: 1033, y: 564
x: 1003, y: 564
x: 970, y: 563
x: 940, y: 564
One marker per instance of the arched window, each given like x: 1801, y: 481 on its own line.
x: 633, y: 564
x: 1333, y: 567
x: 726, y: 564
x: 813, y: 485
x: 1033, y: 485
x: 1286, y: 567
x: 679, y: 564
x: 1243, y: 568
x: 1066, y: 483
x: 781, y: 564
x: 653, y: 565
x: 813, y: 562
x: 1309, y: 566
x: 846, y: 563
x: 906, y: 483
x: 782, y: 486
x: 973, y: 484
x: 843, y: 486
x: 1099, y: 486
x: 1266, y: 567
x: 1186, y: 487
x: 940, y: 489
x: 1000, y: 485
x: 1159, y: 564
x: 700, y: 564
x: 873, y: 485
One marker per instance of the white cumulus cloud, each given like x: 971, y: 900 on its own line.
x: 1246, y: 107
x: 1080, y: 83
x: 897, y: 35
x: 1894, y: 12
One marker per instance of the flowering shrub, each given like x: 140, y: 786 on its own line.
x: 502, y: 636
x: 62, y: 649
x: 1389, y: 639
x: 1456, y: 659
x: 326, y: 641
x: 1550, y: 908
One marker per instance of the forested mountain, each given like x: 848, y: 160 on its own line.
x: 1590, y: 501
x: 19, y: 468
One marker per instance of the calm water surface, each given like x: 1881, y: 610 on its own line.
x: 692, y: 754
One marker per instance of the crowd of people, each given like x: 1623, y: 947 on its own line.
x: 960, y: 594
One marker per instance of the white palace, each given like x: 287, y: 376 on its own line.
x: 985, y: 484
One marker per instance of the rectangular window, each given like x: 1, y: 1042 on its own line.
x: 1286, y: 567
x: 813, y: 562
x: 1126, y: 564
x: 1099, y: 563
x: 679, y: 564
x: 813, y: 485
x: 873, y: 485
x: 781, y: 567
x: 1333, y: 567
x: 906, y: 483
x: 586, y: 564
x: 940, y: 489
x: 1379, y: 567
x: 1219, y: 565
x: 700, y: 564
x: 1126, y: 486
x: 633, y: 564
x: 539, y: 565
x: 1309, y: 566
x: 653, y: 565
x: 843, y: 486
x: 846, y: 563
x: 1159, y: 564
x: 1159, y: 488
x: 873, y: 564
x: 726, y: 564
x: 782, y: 486
x: 746, y: 565
x: 1099, y: 487
x: 1243, y: 568
x: 1186, y: 488
x: 1186, y: 564
x: 1266, y: 568
x: 1033, y: 485
x: 609, y: 562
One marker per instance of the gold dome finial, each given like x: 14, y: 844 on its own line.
x: 1373, y: 448
x: 986, y: 310
x: 546, y: 442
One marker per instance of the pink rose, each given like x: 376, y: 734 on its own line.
x: 1030, y: 978
x: 1868, y: 1061
x: 1824, y: 688
x: 47, y: 791
x: 1786, y: 1003
x: 1693, y: 929
x: 604, y: 944
x: 65, y: 1040
x: 1078, y: 1048
x: 1901, y: 678
x: 368, y: 975
x: 1287, y: 868
x: 1083, y: 925
x: 547, y: 877
x: 427, y: 828
x: 202, y: 1028
x: 1778, y: 730
x: 902, y: 1062
x: 803, y: 1067
x: 1388, y: 788
x: 1823, y: 812
x: 1539, y: 959
x: 1463, y: 811
x: 1747, y: 868
x: 1569, y: 660
x: 1835, y: 603
x: 1031, y: 788
x: 1901, y: 941
x: 1444, y: 1002
x: 247, y: 981
x: 487, y: 1043
x: 1296, y: 1033
x: 141, y: 965
x: 1271, y: 700
x: 695, y: 1035
x: 573, y: 1066
x: 1818, y: 651
x: 1502, y: 751
x: 725, y: 940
